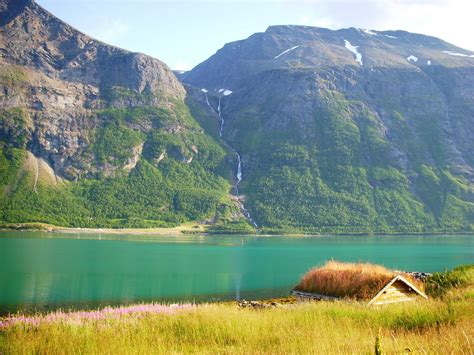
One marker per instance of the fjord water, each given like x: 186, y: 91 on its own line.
x: 44, y: 271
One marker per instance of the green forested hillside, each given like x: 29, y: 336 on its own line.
x: 92, y: 135
x: 339, y: 174
x: 156, y: 192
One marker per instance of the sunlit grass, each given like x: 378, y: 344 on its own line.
x: 434, y: 326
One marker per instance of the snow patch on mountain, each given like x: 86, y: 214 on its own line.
x: 284, y: 52
x: 353, y: 49
x: 459, y: 54
x: 369, y: 32
x: 390, y: 36
x: 225, y: 92
x: 204, y: 90
x: 412, y: 58
x: 428, y: 62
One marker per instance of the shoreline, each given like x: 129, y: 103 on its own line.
x: 184, y: 229
x: 191, y: 229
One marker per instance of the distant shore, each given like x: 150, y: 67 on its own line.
x: 178, y: 230
x: 192, y: 229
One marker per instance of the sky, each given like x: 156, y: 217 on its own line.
x: 184, y: 33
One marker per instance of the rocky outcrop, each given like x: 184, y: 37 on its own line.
x: 61, y: 78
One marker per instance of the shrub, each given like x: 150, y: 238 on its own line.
x: 439, y: 283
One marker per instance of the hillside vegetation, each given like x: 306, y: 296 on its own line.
x: 92, y: 135
x: 156, y: 192
x: 329, y: 145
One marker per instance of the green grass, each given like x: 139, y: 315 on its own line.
x: 440, y: 283
x: 16, y: 127
x: 304, y: 328
x: 231, y: 227
x: 12, y: 76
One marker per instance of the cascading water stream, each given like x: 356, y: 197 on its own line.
x: 204, y: 91
x: 219, y: 113
x: 238, y: 175
x: 239, y: 170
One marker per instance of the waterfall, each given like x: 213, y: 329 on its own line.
x: 219, y: 112
x: 239, y: 169
x: 238, y: 174
x: 207, y: 99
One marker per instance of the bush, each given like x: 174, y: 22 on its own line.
x: 439, y: 283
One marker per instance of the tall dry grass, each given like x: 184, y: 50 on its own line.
x: 360, y: 281
x: 323, y: 328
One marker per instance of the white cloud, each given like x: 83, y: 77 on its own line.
x: 305, y: 20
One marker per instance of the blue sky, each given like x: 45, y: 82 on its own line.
x: 184, y: 33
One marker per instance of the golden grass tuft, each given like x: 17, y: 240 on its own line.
x: 360, y: 281
x: 316, y: 327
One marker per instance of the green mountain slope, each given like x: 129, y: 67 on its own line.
x: 331, y: 144
x: 95, y: 136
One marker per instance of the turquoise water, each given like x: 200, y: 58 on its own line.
x: 49, y: 270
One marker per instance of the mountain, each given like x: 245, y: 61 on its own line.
x: 295, y: 129
x: 347, y: 131
x: 95, y: 136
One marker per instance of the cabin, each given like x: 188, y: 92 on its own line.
x: 398, y: 289
x: 362, y: 282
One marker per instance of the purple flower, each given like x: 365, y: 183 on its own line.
x: 80, y: 317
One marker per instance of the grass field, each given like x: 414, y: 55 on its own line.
x: 441, y: 325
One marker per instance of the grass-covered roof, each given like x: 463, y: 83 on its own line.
x: 361, y: 281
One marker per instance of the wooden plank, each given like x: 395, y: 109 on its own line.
x: 380, y: 302
x: 395, y: 298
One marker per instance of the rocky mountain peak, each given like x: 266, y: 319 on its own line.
x: 36, y: 38
x: 56, y: 77
x: 309, y: 48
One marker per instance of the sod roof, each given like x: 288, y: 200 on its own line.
x: 361, y: 281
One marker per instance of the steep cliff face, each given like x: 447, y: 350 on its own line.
x: 60, y: 76
x: 93, y: 135
x: 348, y: 130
